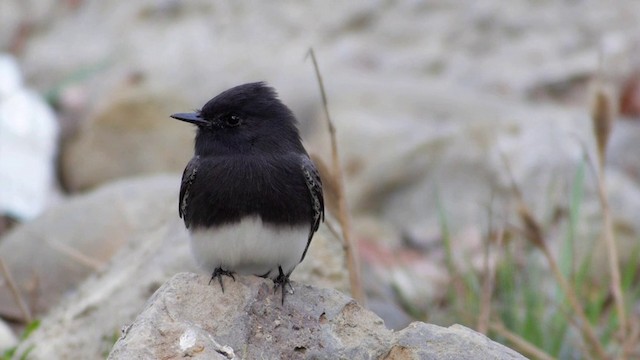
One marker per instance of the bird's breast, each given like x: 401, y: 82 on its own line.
x: 227, y: 190
x: 249, y: 247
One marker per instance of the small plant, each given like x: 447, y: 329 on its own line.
x: 541, y: 296
x: 31, y: 327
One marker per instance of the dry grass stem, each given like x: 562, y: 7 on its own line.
x: 631, y: 341
x: 583, y: 324
x: 612, y: 252
x: 630, y: 346
x: 16, y: 293
x: 602, y: 116
x: 343, y: 210
x: 519, y: 343
x: 534, y: 233
x: 532, y: 229
x: 333, y: 230
x: 487, y: 285
x: 76, y: 255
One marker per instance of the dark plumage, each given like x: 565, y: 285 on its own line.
x: 250, y: 197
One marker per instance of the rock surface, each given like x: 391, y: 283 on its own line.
x: 7, y: 338
x: 28, y: 144
x: 140, y: 244
x: 130, y: 135
x: 187, y: 317
x: 51, y: 255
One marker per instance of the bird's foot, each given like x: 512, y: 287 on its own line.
x: 217, y: 273
x: 282, y: 281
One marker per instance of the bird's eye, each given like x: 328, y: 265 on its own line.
x: 232, y: 120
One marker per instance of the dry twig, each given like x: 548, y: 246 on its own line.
x: 16, y: 292
x: 77, y: 256
x: 519, y: 343
x: 343, y: 211
x: 631, y: 341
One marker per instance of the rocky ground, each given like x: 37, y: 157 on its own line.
x: 248, y: 322
x: 430, y: 100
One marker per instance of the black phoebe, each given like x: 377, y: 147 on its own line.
x: 250, y: 197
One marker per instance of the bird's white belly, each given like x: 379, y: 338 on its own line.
x: 250, y: 247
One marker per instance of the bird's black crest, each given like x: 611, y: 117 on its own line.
x: 251, y: 99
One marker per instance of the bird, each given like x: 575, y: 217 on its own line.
x: 251, y: 197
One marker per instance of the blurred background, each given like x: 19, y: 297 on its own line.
x: 452, y: 117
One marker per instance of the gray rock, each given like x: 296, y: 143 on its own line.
x: 132, y: 228
x: 88, y: 320
x: 7, y: 338
x: 130, y: 135
x: 188, y: 317
x: 427, y: 341
x: 52, y: 254
x: 28, y: 142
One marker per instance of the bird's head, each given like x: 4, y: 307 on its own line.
x: 245, y: 119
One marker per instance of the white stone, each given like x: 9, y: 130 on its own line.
x: 28, y: 135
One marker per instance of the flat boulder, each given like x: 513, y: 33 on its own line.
x: 187, y: 317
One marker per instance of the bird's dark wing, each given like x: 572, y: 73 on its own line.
x: 314, y: 184
x: 188, y: 176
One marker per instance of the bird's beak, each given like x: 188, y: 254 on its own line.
x: 193, y: 118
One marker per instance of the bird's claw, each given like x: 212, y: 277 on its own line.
x: 218, y: 273
x: 282, y: 281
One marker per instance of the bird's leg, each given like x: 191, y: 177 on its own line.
x: 218, y: 272
x: 282, y: 281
